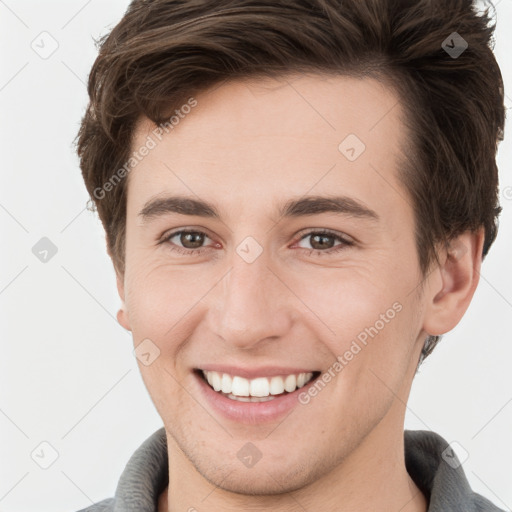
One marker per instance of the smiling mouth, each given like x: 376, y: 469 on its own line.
x: 260, y: 389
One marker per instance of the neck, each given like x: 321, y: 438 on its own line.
x: 372, y: 477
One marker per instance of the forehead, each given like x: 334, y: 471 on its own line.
x: 286, y: 135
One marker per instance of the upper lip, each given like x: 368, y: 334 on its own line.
x: 252, y: 373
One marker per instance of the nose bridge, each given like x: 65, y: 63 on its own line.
x: 251, y: 304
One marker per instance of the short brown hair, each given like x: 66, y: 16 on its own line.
x: 163, y: 52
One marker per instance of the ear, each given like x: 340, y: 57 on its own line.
x: 122, y: 314
x: 451, y: 285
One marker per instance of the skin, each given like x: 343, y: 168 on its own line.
x: 247, y: 147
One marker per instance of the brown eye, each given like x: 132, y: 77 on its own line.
x: 191, y: 239
x: 321, y: 241
x: 187, y: 242
x: 325, y: 242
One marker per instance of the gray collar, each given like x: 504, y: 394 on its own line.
x: 432, y: 465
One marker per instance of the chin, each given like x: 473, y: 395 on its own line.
x: 270, y: 481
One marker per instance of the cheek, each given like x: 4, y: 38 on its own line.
x: 163, y: 303
x: 344, y: 301
x: 161, y: 299
x: 367, y: 320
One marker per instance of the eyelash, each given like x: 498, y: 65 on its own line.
x: 197, y: 252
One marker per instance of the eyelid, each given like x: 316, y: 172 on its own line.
x: 173, y: 232
x: 347, y: 239
x: 175, y: 248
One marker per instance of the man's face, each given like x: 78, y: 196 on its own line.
x: 261, y: 293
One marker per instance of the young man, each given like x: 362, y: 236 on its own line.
x: 294, y: 221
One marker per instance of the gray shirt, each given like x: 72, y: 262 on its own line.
x: 430, y: 462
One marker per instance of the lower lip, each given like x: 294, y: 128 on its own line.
x: 251, y: 412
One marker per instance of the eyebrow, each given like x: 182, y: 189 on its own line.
x: 310, y: 205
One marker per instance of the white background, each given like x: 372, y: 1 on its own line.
x: 68, y: 376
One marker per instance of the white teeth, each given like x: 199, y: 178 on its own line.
x: 240, y: 387
x: 226, y: 383
x: 276, y: 386
x: 216, y: 382
x: 251, y: 398
x: 290, y: 383
x: 260, y: 387
x: 255, y: 390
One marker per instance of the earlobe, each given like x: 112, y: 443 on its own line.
x: 122, y: 314
x: 451, y: 286
x: 122, y: 318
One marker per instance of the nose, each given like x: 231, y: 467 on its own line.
x: 251, y: 306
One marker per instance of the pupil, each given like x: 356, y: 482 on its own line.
x: 193, y: 240
x: 322, y: 244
